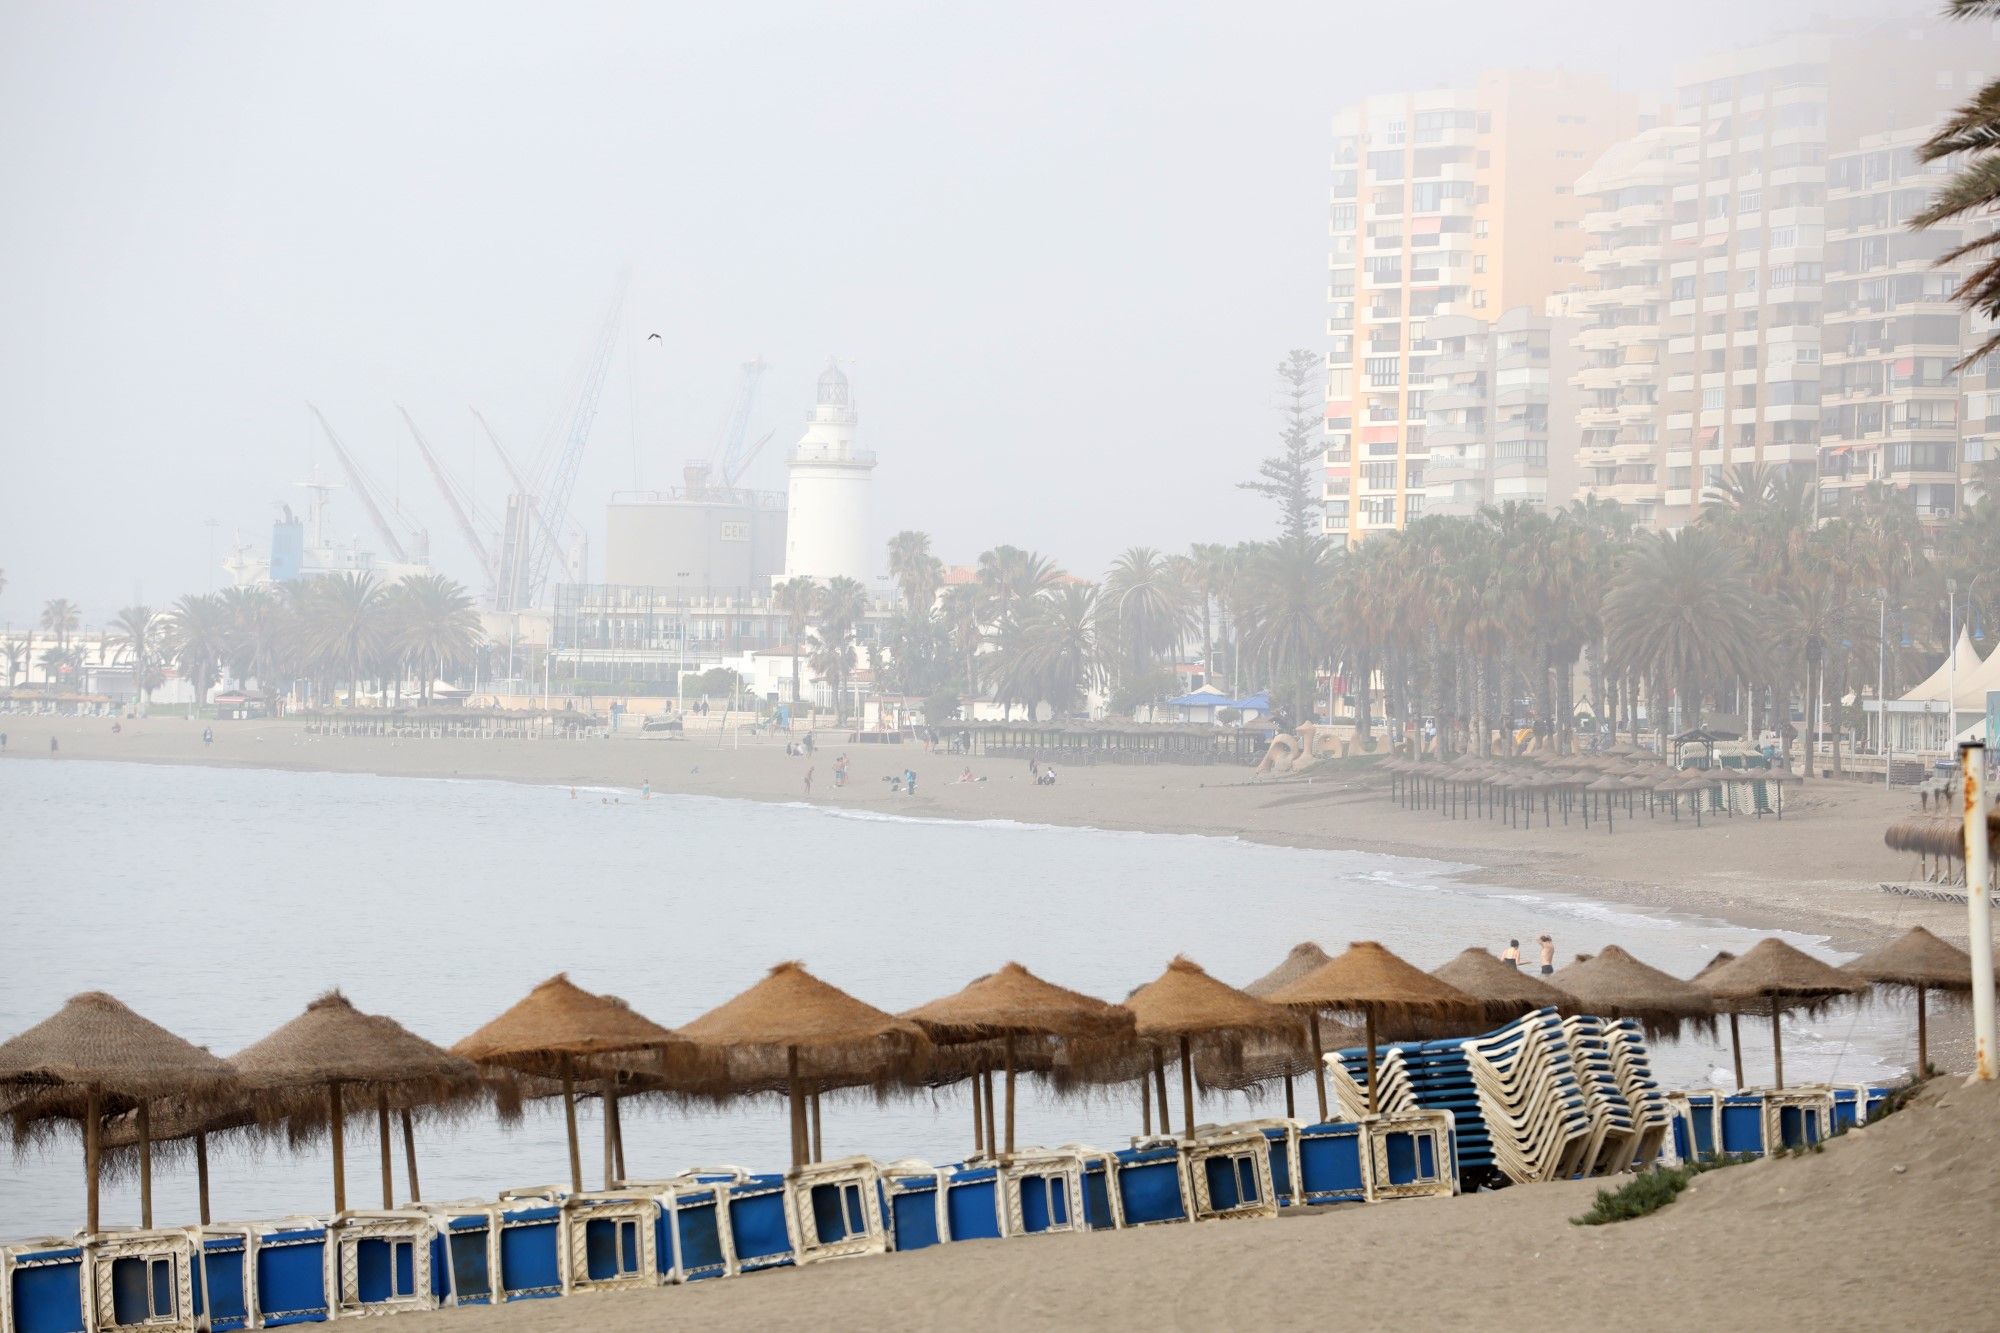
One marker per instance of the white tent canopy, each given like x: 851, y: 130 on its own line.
x: 1964, y: 661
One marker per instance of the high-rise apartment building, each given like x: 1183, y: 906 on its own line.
x: 1497, y: 405
x: 1891, y: 405
x: 1621, y: 342
x: 1453, y: 202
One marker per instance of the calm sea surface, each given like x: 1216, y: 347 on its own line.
x: 218, y: 902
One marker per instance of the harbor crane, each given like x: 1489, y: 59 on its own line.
x: 523, y: 520
x: 463, y: 508
x: 555, y: 475
x: 418, y: 549
x: 730, y: 459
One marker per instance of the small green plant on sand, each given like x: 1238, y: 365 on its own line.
x: 1647, y: 1192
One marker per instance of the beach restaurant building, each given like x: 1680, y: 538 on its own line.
x: 1950, y: 705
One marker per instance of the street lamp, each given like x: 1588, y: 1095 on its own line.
x: 1951, y: 646
x: 680, y: 661
x: 1882, y: 682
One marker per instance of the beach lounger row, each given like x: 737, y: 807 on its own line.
x: 1761, y: 1122
x: 543, y: 1241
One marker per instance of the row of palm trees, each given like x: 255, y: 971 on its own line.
x: 346, y: 630
x: 1759, y: 609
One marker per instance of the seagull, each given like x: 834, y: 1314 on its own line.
x: 652, y: 337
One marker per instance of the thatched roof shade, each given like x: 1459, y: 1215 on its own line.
x: 1503, y: 990
x: 1368, y: 978
x: 1774, y: 970
x: 1185, y: 1001
x: 1302, y: 959
x: 559, y: 1020
x: 1015, y: 1002
x: 1915, y: 958
x: 95, y: 1041
x: 332, y: 1041
x: 1614, y: 984
x: 1927, y: 835
x: 1721, y: 956
x: 840, y: 1040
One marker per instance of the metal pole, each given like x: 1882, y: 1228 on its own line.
x: 1951, y: 690
x: 1979, y: 907
x: 1881, y: 688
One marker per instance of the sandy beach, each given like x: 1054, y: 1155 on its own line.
x: 1871, y: 1233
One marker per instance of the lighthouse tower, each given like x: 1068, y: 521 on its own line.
x: 826, y: 524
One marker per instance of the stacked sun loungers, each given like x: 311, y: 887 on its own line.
x: 1762, y: 1122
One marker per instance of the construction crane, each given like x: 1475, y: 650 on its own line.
x: 557, y: 474
x: 524, y: 519
x: 455, y: 495
x: 369, y: 490
x: 730, y: 460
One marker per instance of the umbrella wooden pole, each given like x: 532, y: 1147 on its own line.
x: 818, y: 1148
x: 410, y: 1158
x: 1007, y: 1049
x: 569, y: 1122
x: 618, y: 1140
x: 1145, y: 1106
x: 1777, y: 1048
x: 992, y: 1124
x: 608, y: 1095
x: 1923, y: 1038
x: 798, y: 1107
x: 1370, y: 1019
x: 1160, y: 1087
x: 388, y: 1161
x: 201, y: 1172
x: 1736, y: 1050
x: 93, y: 1140
x: 1291, y: 1103
x: 1319, y: 1065
x: 146, y: 1165
x: 1187, y: 1087
x: 338, y: 1132
x: 978, y: 1118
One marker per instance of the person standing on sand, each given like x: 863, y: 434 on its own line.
x: 645, y: 789
x: 1548, y: 955
x: 1512, y: 957
x: 53, y: 747
x: 809, y: 782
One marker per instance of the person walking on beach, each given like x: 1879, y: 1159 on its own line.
x: 645, y: 789
x: 207, y: 737
x: 1512, y: 957
x: 840, y: 770
x: 809, y: 782
x: 910, y: 781
x: 1548, y: 955
x: 53, y: 747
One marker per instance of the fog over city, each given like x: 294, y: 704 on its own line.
x: 1058, y: 250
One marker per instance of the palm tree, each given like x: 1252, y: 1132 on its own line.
x: 1211, y: 564
x: 435, y: 627
x: 839, y: 610
x: 16, y: 649
x: 1972, y: 133
x: 916, y: 571
x: 61, y: 617
x: 135, y: 633
x: 264, y: 634
x: 794, y: 599
x: 197, y: 636
x: 1683, y: 614
x: 1288, y: 618
x: 1009, y: 575
x: 965, y: 625
x: 1149, y: 609
x: 346, y: 628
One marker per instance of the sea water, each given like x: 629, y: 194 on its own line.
x: 218, y: 902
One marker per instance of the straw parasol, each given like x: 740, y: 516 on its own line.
x: 1011, y: 1004
x: 1186, y: 1006
x: 1303, y: 959
x: 1919, y: 961
x: 1502, y: 990
x: 95, y: 1057
x: 1384, y: 989
x: 1735, y: 1037
x: 1614, y: 984
x: 332, y: 1051
x: 814, y: 1026
x: 549, y: 1030
x: 1773, y: 973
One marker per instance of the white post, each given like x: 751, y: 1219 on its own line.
x: 1978, y: 906
x: 1951, y: 690
x: 1881, y: 685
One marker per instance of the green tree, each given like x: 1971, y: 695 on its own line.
x: 134, y: 635
x: 839, y: 610
x: 1148, y: 610
x: 347, y: 631
x: 1682, y: 613
x: 433, y: 627
x: 1289, y: 619
x: 917, y: 573
x: 1295, y: 477
x: 61, y: 617
x: 196, y: 637
x: 1971, y: 135
x: 795, y: 599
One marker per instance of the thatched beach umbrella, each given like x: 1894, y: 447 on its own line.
x: 554, y: 1027
x: 1918, y: 961
x: 1502, y: 990
x: 1303, y: 959
x: 816, y: 1029
x: 1613, y: 984
x: 1735, y: 1036
x: 1386, y: 991
x: 1776, y: 975
x: 94, y: 1057
x: 1186, y: 1007
x: 332, y: 1056
x: 1011, y: 1004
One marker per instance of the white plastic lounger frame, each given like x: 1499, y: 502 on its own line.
x: 1815, y: 1101
x: 622, y: 1209
x: 857, y: 1179
x: 174, y: 1247
x: 1065, y: 1164
x: 345, y: 1233
x: 1433, y: 1125
x: 1241, y: 1148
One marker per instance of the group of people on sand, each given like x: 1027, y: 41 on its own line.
x: 1043, y: 774
x: 1512, y: 955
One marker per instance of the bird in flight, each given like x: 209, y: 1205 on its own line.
x: 652, y: 337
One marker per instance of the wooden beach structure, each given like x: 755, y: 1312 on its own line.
x: 1185, y: 1009
x: 1919, y: 962
x: 95, y: 1058
x: 1776, y: 977
x: 1265, y: 1058
x: 1611, y: 983
x: 1502, y: 990
x: 1081, y: 743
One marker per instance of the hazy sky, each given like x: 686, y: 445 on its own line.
x: 1061, y: 248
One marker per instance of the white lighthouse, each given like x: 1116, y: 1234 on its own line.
x: 826, y: 524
